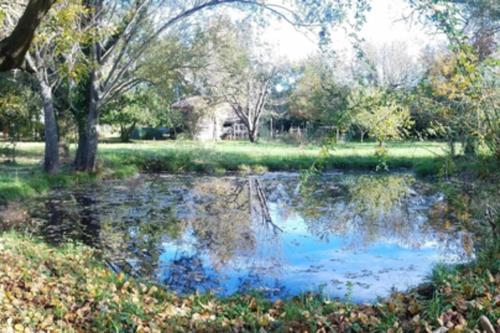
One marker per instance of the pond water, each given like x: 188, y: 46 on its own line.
x: 344, y: 235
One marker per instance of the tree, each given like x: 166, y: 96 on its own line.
x: 361, y: 101
x: 248, y: 94
x: 320, y: 98
x: 123, y: 32
x: 381, y: 115
x: 389, y: 65
x: 19, y: 108
x: 463, y: 97
x: 138, y: 107
x: 238, y: 75
x: 462, y: 85
x: 51, y: 57
x: 14, y: 47
x: 475, y: 23
x: 169, y: 70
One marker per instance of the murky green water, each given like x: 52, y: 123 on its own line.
x: 341, y: 234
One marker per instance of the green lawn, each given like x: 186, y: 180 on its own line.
x: 24, y: 178
x: 231, y: 155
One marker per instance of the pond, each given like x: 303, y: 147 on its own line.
x: 358, y: 236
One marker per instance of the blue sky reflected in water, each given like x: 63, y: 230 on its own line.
x: 294, y: 259
x: 271, y: 232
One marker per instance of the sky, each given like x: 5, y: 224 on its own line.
x: 384, y: 25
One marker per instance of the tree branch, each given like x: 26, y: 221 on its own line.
x: 13, y: 48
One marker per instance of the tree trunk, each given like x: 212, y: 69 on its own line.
x: 337, y: 135
x: 82, y: 142
x: 87, y: 144
x: 470, y: 146
x: 362, y: 136
x: 51, y: 158
x: 252, y: 129
x: 252, y: 134
x: 126, y: 132
x: 86, y: 155
x: 251, y: 137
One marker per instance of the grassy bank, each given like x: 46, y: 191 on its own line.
x: 31, y: 182
x: 67, y: 289
x: 24, y: 179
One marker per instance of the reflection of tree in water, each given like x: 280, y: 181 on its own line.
x: 220, y: 220
x: 138, y: 244
x: 130, y: 223
x: 225, y: 216
x: 365, y: 209
x: 64, y: 217
x: 268, y: 259
x: 133, y: 229
x: 473, y: 209
x: 216, y: 226
x: 259, y: 209
x: 89, y: 217
x: 186, y: 274
x: 230, y: 221
x: 379, y: 207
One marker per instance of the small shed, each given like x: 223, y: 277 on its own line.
x: 207, y: 121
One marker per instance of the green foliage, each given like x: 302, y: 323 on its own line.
x: 460, y: 88
x: 60, y: 36
x: 319, y: 98
x: 464, y: 100
x: 380, y: 114
x: 141, y: 106
x: 19, y: 108
x: 12, y: 189
x: 2, y: 17
x: 14, y: 186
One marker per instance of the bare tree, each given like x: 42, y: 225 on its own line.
x: 248, y: 94
x: 237, y: 73
x: 390, y: 65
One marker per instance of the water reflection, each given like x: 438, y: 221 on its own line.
x: 361, y: 234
